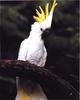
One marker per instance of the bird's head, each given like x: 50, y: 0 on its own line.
x: 43, y: 20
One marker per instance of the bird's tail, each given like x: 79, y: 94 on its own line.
x: 28, y: 90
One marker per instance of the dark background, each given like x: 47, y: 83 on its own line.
x: 62, y: 44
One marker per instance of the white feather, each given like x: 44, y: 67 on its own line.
x: 33, y: 50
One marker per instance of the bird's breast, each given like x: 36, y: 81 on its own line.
x: 36, y: 56
x: 36, y: 53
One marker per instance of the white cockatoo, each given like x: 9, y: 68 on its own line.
x: 33, y: 50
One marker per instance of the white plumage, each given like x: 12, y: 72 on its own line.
x: 33, y: 50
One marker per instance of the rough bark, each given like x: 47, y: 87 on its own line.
x: 36, y: 73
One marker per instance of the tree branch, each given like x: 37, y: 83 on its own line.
x: 33, y: 72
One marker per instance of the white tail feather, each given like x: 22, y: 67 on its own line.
x: 28, y: 90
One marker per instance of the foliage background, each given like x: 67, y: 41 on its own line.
x: 62, y: 44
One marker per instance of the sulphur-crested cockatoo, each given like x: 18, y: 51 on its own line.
x: 33, y: 50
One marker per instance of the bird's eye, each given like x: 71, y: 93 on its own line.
x: 41, y: 29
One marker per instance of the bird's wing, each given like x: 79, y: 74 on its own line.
x: 23, y: 50
x: 44, y: 57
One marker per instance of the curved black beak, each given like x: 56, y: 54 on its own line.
x: 45, y: 33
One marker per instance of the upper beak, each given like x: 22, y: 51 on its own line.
x: 46, y: 31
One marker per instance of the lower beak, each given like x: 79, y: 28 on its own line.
x: 45, y: 34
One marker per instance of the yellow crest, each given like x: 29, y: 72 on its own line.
x: 41, y: 16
